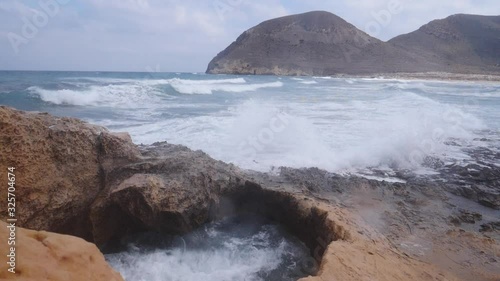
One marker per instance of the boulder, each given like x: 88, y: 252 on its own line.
x: 172, y: 190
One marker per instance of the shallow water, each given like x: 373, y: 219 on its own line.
x: 238, y: 248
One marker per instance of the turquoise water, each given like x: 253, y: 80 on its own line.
x: 261, y: 122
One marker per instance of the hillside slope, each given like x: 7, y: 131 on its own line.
x: 463, y: 43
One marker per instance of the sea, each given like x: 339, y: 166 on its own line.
x: 342, y: 125
x: 369, y: 127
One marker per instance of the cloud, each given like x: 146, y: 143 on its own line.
x: 413, y: 14
x: 16, y: 8
x: 181, y: 35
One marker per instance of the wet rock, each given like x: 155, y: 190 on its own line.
x: 490, y: 227
x: 480, y: 183
x: 469, y: 217
x: 486, y: 196
x: 455, y: 220
x: 433, y: 163
x: 465, y: 216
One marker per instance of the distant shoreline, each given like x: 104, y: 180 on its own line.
x: 437, y: 76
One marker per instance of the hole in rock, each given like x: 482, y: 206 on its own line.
x: 239, y: 247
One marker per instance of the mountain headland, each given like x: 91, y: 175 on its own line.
x: 321, y: 43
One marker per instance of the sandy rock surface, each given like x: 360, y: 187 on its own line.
x: 49, y: 256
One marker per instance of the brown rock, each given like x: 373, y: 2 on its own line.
x: 369, y: 256
x: 49, y: 256
x: 58, y: 168
x: 173, y: 190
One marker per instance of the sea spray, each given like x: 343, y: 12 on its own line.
x: 236, y: 248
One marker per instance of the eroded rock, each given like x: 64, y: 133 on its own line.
x: 59, y: 166
x: 49, y: 256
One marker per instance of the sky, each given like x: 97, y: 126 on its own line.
x: 180, y: 35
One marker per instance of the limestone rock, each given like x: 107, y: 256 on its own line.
x: 58, y: 168
x: 49, y: 256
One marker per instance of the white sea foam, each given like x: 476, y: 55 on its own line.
x: 131, y: 93
x: 238, y: 85
x: 336, y: 124
x: 207, y: 82
x: 69, y: 97
x: 214, y: 254
x: 160, y: 81
x: 212, y: 265
x: 330, y: 135
x: 120, y: 96
x: 309, y: 82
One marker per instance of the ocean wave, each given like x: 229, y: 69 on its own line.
x: 120, y: 96
x: 207, y: 87
x: 336, y: 127
x: 65, y: 97
x: 181, y: 86
x: 398, y: 131
x: 201, y: 82
x: 157, y: 81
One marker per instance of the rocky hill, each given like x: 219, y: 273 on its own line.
x: 462, y: 43
x: 321, y: 43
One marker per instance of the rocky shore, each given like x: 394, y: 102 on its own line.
x: 79, y: 179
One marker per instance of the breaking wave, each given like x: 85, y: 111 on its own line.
x: 261, y: 135
x: 121, y: 96
x: 336, y: 124
x: 226, y: 85
x: 129, y: 93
